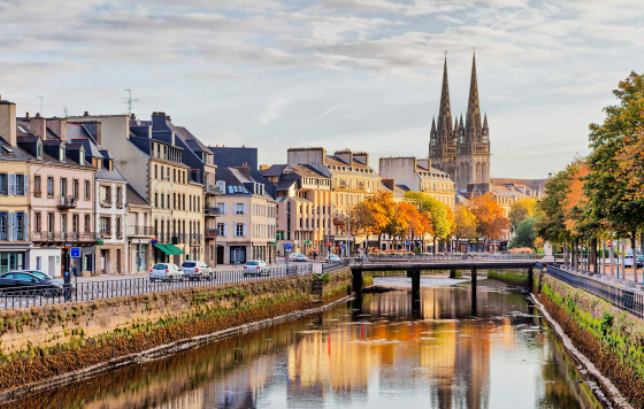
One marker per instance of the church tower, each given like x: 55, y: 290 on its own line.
x: 442, y: 138
x: 473, y: 150
x: 461, y: 149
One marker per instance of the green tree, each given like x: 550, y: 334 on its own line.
x: 615, y: 185
x: 439, y: 214
x: 521, y: 210
x: 524, y: 234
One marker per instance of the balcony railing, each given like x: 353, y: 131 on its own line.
x: 105, y: 234
x: 51, y: 236
x: 212, y: 233
x: 106, y: 204
x: 213, y: 211
x: 67, y: 202
x: 140, y: 231
x: 19, y: 236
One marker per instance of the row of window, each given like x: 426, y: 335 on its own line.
x: 241, y: 230
x: 171, y: 174
x: 177, y: 201
x: 50, y: 219
x: 63, y: 188
x: 164, y: 228
x: 106, y: 197
x: 105, y: 227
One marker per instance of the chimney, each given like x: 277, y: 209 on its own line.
x: 345, y: 156
x: 362, y: 157
x: 8, y: 122
x: 38, y: 126
x: 57, y: 125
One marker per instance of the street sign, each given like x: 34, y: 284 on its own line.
x: 75, y: 252
x: 288, y: 246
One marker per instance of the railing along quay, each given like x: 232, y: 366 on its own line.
x: 15, y: 298
x: 629, y: 298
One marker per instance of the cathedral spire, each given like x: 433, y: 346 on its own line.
x: 473, y: 117
x: 434, y: 126
x: 445, y: 113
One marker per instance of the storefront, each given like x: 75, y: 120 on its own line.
x: 237, y: 254
x: 139, y: 253
x: 167, y: 253
x: 12, y: 260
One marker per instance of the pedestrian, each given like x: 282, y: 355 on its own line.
x: 315, y: 254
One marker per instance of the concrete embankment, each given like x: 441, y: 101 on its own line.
x: 49, y: 346
x: 607, y: 341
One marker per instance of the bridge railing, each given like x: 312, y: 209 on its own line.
x: 629, y: 298
x: 451, y: 257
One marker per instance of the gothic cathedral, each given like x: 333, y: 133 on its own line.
x: 461, y: 149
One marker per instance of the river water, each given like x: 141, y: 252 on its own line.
x: 377, y: 356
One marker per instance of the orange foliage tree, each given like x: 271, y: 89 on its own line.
x: 491, y: 221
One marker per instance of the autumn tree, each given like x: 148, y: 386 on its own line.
x: 439, y: 214
x: 616, y: 162
x: 492, y: 223
x: 373, y: 215
x: 465, y: 223
x: 521, y: 210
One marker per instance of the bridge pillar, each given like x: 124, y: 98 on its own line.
x: 452, y: 273
x: 473, y: 292
x: 356, y: 287
x: 415, y: 291
x: 530, y: 279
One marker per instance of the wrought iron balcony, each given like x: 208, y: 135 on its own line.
x: 140, y: 231
x: 67, y: 202
x: 57, y: 236
x: 212, y: 233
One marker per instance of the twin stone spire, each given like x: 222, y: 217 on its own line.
x: 460, y: 146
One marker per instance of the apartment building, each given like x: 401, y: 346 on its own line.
x: 417, y: 175
x: 14, y: 194
x: 352, y: 181
x: 246, y: 222
x: 303, y: 197
x: 152, y: 163
x: 61, y: 196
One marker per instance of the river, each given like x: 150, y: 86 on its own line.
x: 375, y: 357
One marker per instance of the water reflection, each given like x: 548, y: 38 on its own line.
x: 382, y: 358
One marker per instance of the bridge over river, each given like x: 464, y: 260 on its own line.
x: 414, y: 265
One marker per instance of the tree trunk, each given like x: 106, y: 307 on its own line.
x: 633, y: 247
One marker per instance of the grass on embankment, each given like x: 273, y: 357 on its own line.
x: 612, y: 338
x: 518, y: 278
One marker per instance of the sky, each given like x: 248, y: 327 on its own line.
x: 358, y: 74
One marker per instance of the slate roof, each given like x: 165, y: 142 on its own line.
x: 133, y: 197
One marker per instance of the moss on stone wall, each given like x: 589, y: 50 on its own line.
x: 613, y: 338
x: 187, y: 313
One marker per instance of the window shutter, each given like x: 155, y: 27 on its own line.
x: 12, y: 184
x: 26, y: 191
x: 25, y: 231
x: 11, y: 228
x: 245, y: 229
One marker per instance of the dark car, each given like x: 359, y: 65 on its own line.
x: 30, y: 283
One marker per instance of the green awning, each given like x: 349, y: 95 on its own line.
x: 169, y: 249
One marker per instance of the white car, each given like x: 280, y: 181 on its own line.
x: 333, y: 258
x: 197, y: 270
x: 165, y: 272
x: 298, y: 257
x: 256, y: 268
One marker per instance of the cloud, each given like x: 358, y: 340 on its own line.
x: 274, y: 111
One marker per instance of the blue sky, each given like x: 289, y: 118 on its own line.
x: 360, y: 74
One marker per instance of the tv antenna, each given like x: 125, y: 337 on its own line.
x: 41, y: 98
x: 130, y: 100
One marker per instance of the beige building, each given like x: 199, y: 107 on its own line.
x: 417, y: 175
x: 303, y: 196
x: 139, y: 232
x: 246, y: 221
x: 351, y: 180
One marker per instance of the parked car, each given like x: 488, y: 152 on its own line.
x: 333, y: 258
x: 197, y: 270
x: 30, y: 282
x: 166, y: 272
x: 256, y: 268
x: 298, y: 257
x: 628, y: 261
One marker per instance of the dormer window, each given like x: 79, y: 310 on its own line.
x: 38, y: 149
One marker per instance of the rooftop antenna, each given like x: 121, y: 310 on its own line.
x: 129, y: 100
x: 65, y: 111
x: 41, y: 98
